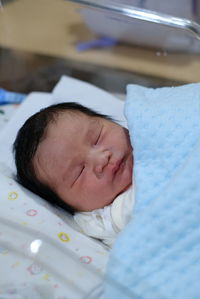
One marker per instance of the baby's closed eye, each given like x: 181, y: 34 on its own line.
x: 80, y: 171
x: 98, y: 136
x: 78, y: 174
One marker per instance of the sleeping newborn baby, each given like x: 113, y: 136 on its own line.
x: 80, y: 160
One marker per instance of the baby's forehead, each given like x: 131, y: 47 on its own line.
x: 75, y: 115
x: 72, y: 120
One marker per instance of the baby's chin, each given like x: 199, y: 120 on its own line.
x: 129, y: 180
x: 124, y: 189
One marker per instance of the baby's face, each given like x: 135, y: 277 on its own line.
x: 86, y: 160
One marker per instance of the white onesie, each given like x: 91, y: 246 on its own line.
x: 106, y: 223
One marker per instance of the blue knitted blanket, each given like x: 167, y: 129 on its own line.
x: 158, y: 254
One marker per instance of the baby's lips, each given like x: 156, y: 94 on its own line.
x: 116, y: 166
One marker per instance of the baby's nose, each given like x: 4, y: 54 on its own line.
x: 101, y: 161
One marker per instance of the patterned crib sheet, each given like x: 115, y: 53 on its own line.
x: 39, y: 246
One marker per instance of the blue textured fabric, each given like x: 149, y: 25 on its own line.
x: 158, y: 254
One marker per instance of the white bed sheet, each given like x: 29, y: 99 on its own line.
x: 33, y: 102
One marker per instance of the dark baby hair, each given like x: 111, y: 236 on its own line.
x: 26, y: 143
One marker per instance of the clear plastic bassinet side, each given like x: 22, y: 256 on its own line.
x: 141, y: 23
x: 32, y: 263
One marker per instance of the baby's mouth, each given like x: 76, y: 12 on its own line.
x: 118, y: 166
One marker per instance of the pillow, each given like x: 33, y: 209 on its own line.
x: 73, y: 90
x: 33, y: 103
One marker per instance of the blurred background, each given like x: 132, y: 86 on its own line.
x: 40, y: 40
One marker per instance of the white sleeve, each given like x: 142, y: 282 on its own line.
x: 121, y: 209
x: 97, y: 224
x: 106, y: 223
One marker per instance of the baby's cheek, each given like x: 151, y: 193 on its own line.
x: 98, y: 186
x: 89, y: 187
